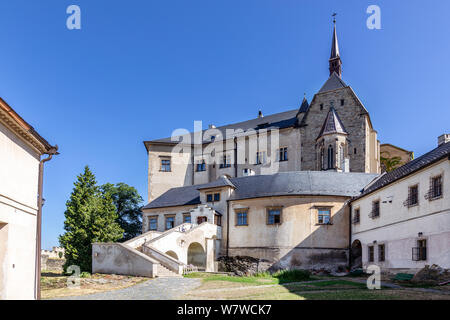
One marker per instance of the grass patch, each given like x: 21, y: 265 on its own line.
x: 262, y: 278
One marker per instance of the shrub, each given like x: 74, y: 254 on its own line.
x: 292, y: 275
x: 85, y: 275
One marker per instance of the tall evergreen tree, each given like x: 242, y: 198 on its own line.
x: 128, y: 204
x: 90, y: 217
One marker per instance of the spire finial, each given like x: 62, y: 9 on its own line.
x: 334, y: 17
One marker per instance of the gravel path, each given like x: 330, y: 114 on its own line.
x: 156, y: 289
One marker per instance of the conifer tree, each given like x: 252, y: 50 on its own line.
x: 90, y: 217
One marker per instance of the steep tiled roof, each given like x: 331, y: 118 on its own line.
x: 442, y: 151
x: 281, y: 184
x: 304, y: 107
x: 334, y: 82
x: 332, y: 124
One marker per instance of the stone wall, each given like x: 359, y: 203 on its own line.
x: 51, y: 264
x: 354, y: 118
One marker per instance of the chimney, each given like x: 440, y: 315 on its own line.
x: 443, y: 139
x: 260, y: 114
x: 211, y: 126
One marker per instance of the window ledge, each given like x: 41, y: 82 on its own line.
x: 324, y: 224
x: 241, y: 225
x: 436, y: 198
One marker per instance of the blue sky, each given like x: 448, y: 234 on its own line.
x: 139, y: 69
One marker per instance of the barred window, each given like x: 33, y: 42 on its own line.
x: 356, y: 216
x: 381, y: 252
x: 375, y: 209
x: 436, y: 187
x: 413, y: 196
x: 419, y: 253
x: 371, y: 253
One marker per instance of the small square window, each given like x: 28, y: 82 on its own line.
x: 356, y: 216
x: 321, y: 106
x: 283, y: 154
x: 273, y: 216
x: 241, y: 218
x: 165, y: 165
x: 342, y: 102
x: 209, y: 198
x: 216, y: 196
x: 324, y: 216
x: 153, y: 223
x: 187, y: 218
x: 170, y: 223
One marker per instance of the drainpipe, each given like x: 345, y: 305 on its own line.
x: 235, y: 157
x: 37, y: 285
x: 350, y: 236
x: 228, y: 225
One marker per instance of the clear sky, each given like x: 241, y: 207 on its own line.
x: 139, y: 69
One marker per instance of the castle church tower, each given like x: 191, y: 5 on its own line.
x: 336, y: 130
x: 335, y: 59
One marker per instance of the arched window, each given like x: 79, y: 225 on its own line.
x: 322, y: 158
x: 330, y: 157
x: 341, y: 157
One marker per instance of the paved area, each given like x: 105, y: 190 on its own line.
x: 156, y: 289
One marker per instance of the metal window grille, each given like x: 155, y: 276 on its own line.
x: 413, y: 197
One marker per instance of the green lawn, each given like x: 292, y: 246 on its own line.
x: 264, y: 278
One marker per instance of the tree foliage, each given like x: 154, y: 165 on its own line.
x: 128, y: 205
x: 90, y: 217
x: 389, y: 164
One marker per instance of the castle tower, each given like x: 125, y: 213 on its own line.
x: 335, y: 59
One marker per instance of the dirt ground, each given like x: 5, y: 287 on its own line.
x: 325, y: 290
x: 54, y: 284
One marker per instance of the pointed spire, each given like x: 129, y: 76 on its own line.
x: 332, y: 124
x: 304, y: 106
x: 335, y: 58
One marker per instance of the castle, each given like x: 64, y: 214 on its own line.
x: 277, y: 188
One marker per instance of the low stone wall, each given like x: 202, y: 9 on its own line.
x: 118, y: 258
x: 52, y: 264
x: 273, y: 259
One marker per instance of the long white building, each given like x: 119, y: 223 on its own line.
x: 401, y: 221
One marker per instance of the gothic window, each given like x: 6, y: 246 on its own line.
x: 330, y: 157
x: 341, y: 157
x: 322, y: 158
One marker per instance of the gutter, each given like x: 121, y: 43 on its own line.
x: 37, y: 285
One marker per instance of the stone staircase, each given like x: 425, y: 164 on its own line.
x: 163, y: 272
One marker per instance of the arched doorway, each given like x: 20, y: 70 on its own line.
x: 196, y: 255
x: 172, y: 254
x: 356, y: 254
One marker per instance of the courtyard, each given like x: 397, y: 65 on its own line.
x: 209, y: 286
